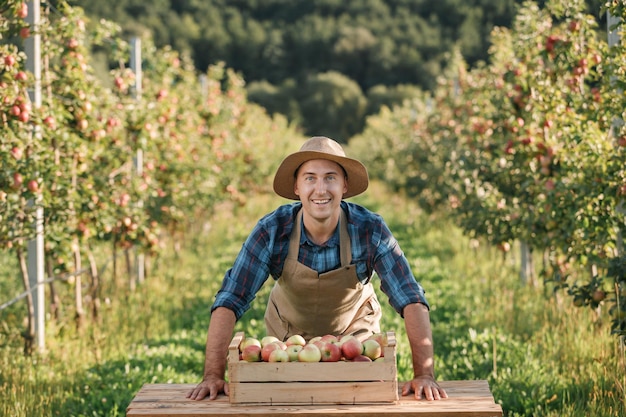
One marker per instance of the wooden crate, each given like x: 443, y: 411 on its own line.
x: 290, y: 383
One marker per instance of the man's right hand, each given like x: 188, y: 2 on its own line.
x: 210, y: 387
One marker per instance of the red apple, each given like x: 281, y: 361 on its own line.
x: 331, y: 338
x: 372, y: 349
x: 33, y: 186
x: 351, y: 347
x: 278, y: 355
x: 361, y: 358
x: 16, y: 153
x: 24, y: 32
x: 50, y: 122
x: 331, y: 352
x: 9, y: 61
x: 18, y: 180
x: 292, y: 351
x: 598, y: 295
x: 249, y: 341
x: 296, y: 339
x: 310, y: 353
x: 22, y: 10
x: 251, y: 353
x: 268, y: 349
x: 380, y: 337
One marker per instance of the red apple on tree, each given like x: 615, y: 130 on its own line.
x: 18, y: 180
x: 9, y: 61
x: 16, y: 153
x: 33, y: 186
x: 22, y: 10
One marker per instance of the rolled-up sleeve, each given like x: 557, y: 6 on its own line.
x: 247, y: 275
x: 394, y: 271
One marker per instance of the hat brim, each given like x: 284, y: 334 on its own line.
x: 284, y: 180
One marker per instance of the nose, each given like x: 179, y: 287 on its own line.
x: 320, y: 187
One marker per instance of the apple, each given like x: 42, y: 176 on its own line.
x: 380, y: 337
x: 296, y: 339
x: 309, y: 353
x: 361, y: 358
x: 18, y: 180
x: 266, y: 340
x: 251, y: 353
x: 331, y: 352
x: 22, y: 10
x: 249, y: 341
x: 16, y: 153
x: 33, y: 186
x: 292, y: 351
x: 330, y: 338
x: 598, y: 296
x: 351, y: 347
x: 315, y: 339
x: 372, y: 349
x: 278, y: 355
x: 9, y: 61
x: 268, y: 349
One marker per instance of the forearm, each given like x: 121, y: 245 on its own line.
x: 219, y: 336
x: 419, y: 333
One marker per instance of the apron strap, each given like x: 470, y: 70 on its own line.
x: 344, y: 241
x: 345, y: 246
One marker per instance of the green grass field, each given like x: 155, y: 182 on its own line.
x: 541, y: 356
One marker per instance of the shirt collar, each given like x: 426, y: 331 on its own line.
x: 332, y: 242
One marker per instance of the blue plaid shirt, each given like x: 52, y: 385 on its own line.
x: 373, y: 249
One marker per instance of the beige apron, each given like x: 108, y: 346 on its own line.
x: 305, y: 302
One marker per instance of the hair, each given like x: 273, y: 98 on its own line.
x: 295, y: 174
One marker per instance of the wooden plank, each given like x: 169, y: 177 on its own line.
x: 314, y: 393
x: 466, y: 399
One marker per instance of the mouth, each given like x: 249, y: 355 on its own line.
x: 321, y: 202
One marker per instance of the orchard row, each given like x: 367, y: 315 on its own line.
x: 530, y: 148
x: 112, y: 160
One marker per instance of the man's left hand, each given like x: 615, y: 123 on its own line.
x: 424, y: 386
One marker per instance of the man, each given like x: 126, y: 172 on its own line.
x: 322, y: 252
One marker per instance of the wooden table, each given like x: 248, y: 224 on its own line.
x: 465, y: 399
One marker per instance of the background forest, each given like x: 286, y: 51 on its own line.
x: 325, y: 64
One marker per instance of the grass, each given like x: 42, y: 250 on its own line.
x: 541, y: 356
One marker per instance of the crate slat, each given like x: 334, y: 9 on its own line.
x: 311, y: 393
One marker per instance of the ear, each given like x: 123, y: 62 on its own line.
x: 345, y: 185
x: 295, y: 188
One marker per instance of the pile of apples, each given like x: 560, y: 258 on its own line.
x: 327, y: 348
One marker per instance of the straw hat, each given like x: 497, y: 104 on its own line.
x: 319, y: 147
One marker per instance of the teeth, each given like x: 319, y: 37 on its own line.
x: 320, y: 201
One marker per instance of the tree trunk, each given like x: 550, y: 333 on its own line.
x: 29, y: 333
x: 95, y: 285
x: 55, y: 301
x: 78, y: 286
